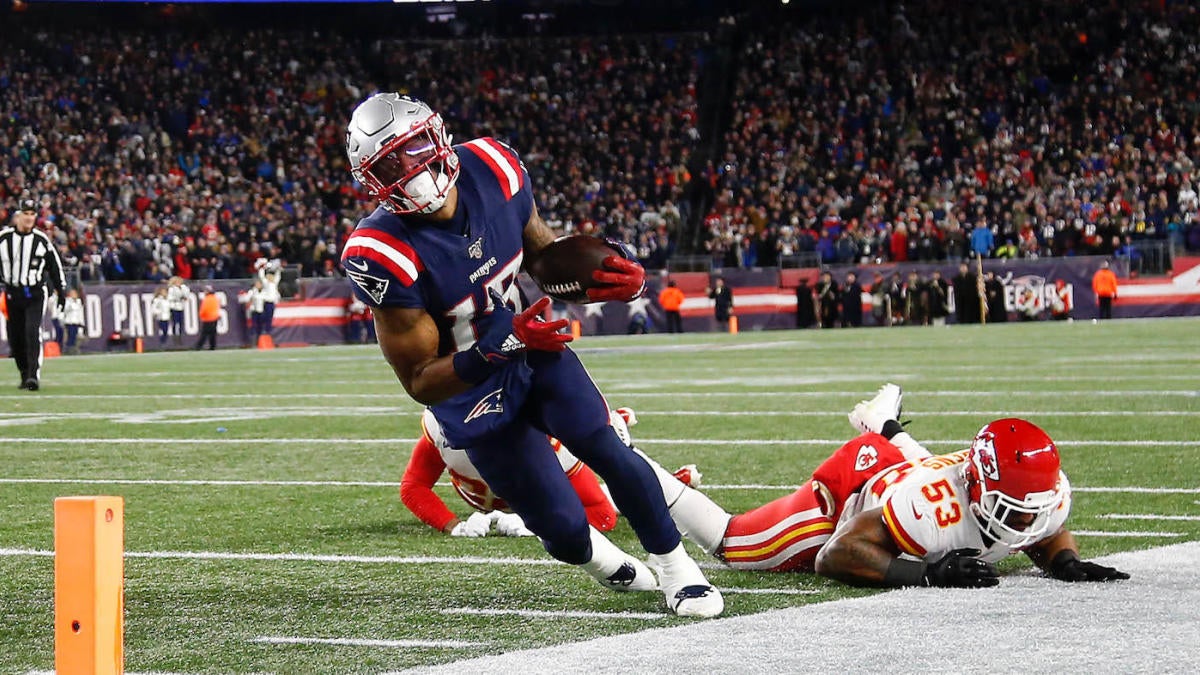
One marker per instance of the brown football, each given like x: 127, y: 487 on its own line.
x: 564, y: 268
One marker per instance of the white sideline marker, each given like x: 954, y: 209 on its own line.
x: 552, y: 614
x: 355, y: 642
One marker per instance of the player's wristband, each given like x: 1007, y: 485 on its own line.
x: 890, y: 429
x: 471, y: 366
x: 902, y: 572
x: 1062, y: 560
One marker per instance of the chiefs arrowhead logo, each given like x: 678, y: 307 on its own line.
x: 867, y: 458
x: 984, y: 449
x: 487, y: 405
x: 374, y: 287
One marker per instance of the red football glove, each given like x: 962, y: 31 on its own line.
x: 624, y: 280
x: 537, y: 334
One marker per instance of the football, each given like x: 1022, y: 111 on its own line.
x: 564, y: 268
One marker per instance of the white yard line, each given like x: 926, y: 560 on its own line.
x: 392, y: 484
x: 358, y: 642
x: 402, y: 398
x: 553, y: 614
x: 1098, y: 533
x: 646, y: 441
x: 1146, y: 516
x: 305, y: 557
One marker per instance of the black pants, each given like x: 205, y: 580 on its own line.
x: 674, y: 322
x: 25, y: 311
x: 208, y: 331
x: 1105, y: 307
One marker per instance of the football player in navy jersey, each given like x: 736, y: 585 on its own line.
x: 437, y: 262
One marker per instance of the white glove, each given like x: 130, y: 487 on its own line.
x: 511, y: 525
x: 477, y: 525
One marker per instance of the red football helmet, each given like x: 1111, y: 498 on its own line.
x: 400, y: 151
x: 1012, y: 476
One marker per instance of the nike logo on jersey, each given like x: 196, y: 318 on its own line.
x: 374, y: 287
x: 486, y: 406
x: 360, y: 266
x: 917, y: 514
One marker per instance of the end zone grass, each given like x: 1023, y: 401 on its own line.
x: 229, y: 437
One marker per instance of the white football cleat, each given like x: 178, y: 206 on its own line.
x: 616, y: 569
x: 869, y: 416
x: 686, y: 590
x: 632, y: 575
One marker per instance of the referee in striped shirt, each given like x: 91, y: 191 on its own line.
x: 28, y: 259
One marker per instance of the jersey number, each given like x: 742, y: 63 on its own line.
x: 461, y: 314
x: 939, y: 492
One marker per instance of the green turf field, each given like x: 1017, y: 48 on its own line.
x: 262, y: 508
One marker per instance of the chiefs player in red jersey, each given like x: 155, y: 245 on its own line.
x: 884, y: 511
x: 433, y: 456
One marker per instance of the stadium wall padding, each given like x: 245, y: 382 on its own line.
x: 764, y: 299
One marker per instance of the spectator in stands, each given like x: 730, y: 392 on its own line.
x: 1104, y: 285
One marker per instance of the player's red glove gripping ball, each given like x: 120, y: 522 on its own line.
x: 624, y: 280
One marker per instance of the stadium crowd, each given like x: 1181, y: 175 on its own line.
x: 911, y: 133
x: 888, y: 136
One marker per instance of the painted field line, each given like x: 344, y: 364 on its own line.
x: 552, y: 614
x: 212, y: 483
x: 1139, y: 490
x: 401, y: 397
x: 1146, y: 516
x: 835, y: 442
x: 769, y: 591
x: 304, y: 557
x: 1098, y: 533
x: 444, y: 484
x: 356, y: 642
x: 142, y: 672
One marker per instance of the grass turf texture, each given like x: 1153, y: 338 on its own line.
x: 756, y: 409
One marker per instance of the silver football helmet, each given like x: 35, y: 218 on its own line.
x: 399, y: 150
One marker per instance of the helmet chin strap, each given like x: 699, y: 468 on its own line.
x: 429, y: 190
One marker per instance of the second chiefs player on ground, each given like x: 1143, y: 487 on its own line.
x: 884, y: 511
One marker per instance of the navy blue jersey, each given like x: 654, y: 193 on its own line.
x: 447, y: 268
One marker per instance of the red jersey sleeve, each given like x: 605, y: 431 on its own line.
x: 416, y: 487
x: 600, y: 512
